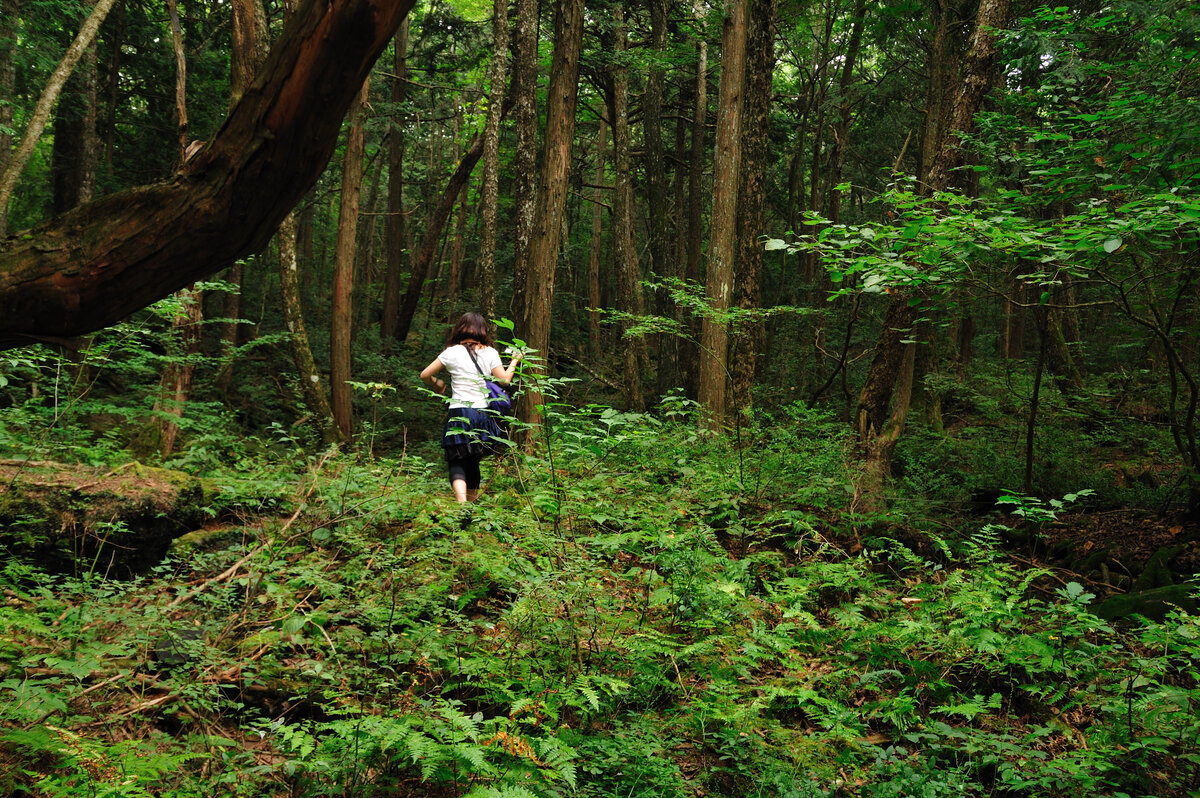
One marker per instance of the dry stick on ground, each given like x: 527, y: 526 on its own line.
x: 230, y: 572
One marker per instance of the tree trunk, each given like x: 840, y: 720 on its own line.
x: 760, y: 69
x: 343, y: 270
x: 433, y: 234
x: 365, y: 260
x: 41, y: 112
x: 629, y: 272
x: 877, y: 392
x: 10, y: 11
x: 490, y: 191
x: 249, y: 46
x: 594, y: 299
x: 310, y: 379
x: 841, y: 141
x: 977, y: 74
x: 395, y: 229
x: 180, y: 371
x: 181, y: 127
x: 696, y: 162
x: 525, y: 120
x: 1012, y: 345
x: 178, y: 377
x: 247, y: 57
x: 689, y: 350
x: 722, y: 250
x: 552, y: 186
x: 456, y: 250
x: 99, y: 262
x: 661, y: 262
x: 871, y: 415
x: 75, y: 151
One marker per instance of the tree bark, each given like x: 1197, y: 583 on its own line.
x: 879, y: 387
x: 552, y: 187
x: 456, y: 250
x: 433, y: 234
x: 490, y: 191
x: 760, y: 69
x: 248, y: 54
x: 689, y: 351
x: 629, y: 273
x: 97, y: 263
x: 722, y: 251
x: 177, y: 378
x: 10, y: 11
x: 594, y: 299
x: 310, y: 379
x: 249, y: 46
x: 342, y: 312
x: 525, y: 120
x: 395, y: 231
x: 661, y: 261
x: 75, y: 151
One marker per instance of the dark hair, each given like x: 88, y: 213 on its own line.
x: 471, y: 327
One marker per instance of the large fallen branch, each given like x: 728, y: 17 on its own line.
x: 101, y: 261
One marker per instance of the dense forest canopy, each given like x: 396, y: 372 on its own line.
x: 802, y: 289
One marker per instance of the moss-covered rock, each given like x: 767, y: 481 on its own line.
x: 78, y: 519
x: 1154, y: 603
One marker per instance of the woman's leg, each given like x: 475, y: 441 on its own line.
x: 472, y: 477
x: 459, y: 473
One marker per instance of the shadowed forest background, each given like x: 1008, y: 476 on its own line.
x: 856, y: 449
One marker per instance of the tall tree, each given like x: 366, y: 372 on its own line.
x: 342, y: 313
x: 877, y: 422
x: 662, y: 261
x: 629, y: 273
x: 689, y: 352
x: 597, y: 244
x: 433, y: 235
x: 396, y: 229
x: 490, y: 192
x: 248, y: 52
x: 310, y: 378
x: 525, y: 118
x: 76, y: 149
x: 760, y: 69
x: 180, y: 372
x: 552, y: 184
x: 722, y: 250
x: 10, y: 11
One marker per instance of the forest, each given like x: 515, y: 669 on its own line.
x: 855, y: 448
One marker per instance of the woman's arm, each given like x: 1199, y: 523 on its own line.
x: 427, y: 376
x: 506, y: 374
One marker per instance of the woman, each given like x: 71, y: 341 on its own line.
x: 470, y: 428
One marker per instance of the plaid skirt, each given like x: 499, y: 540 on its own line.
x: 471, y: 434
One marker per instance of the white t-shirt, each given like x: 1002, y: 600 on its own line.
x: 466, y: 383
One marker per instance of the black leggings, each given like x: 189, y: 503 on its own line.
x: 466, y: 470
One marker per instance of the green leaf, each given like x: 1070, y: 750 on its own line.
x: 1111, y: 245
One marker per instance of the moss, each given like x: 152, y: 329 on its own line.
x: 1155, y: 603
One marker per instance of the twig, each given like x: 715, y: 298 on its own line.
x: 232, y: 570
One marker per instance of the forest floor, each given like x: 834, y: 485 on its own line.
x: 627, y: 619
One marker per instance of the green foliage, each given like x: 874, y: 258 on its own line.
x: 639, y: 619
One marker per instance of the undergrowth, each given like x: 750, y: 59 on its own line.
x: 631, y: 610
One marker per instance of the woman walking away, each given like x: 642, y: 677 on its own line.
x: 470, y: 427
